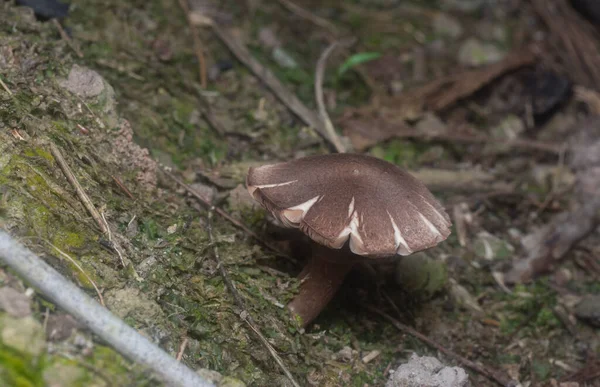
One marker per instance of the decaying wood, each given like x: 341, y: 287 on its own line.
x: 443, y: 92
x: 546, y: 247
x: 365, y: 131
x: 577, y: 41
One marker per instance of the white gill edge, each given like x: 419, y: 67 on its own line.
x: 435, y: 210
x: 430, y: 225
x: 351, y: 207
x: 252, y: 188
x: 296, y: 213
x: 427, y: 222
x: 351, y: 232
x: 400, y: 243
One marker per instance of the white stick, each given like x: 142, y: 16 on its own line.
x: 98, y: 319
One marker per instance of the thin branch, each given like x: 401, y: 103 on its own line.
x: 67, y: 38
x: 197, y: 43
x: 490, y: 374
x: 5, y: 87
x: 225, y: 215
x: 328, y: 126
x: 244, y: 314
x: 182, y: 348
x: 304, y: 14
x: 78, y: 189
x: 78, y: 266
x: 123, y: 338
x: 122, y: 186
x: 271, y: 81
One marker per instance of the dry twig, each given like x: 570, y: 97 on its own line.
x: 182, y: 348
x: 5, y: 87
x: 197, y: 43
x: 78, y: 189
x: 225, y: 215
x: 362, y: 135
x: 490, y: 374
x: 271, y: 81
x: 67, y: 38
x: 304, y: 14
x: 443, y: 92
x: 122, y: 186
x: 578, y: 38
x: 78, y: 266
x: 244, y: 314
x: 328, y: 126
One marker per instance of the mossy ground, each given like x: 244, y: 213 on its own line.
x: 164, y: 232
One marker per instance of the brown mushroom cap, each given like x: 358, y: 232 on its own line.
x: 381, y: 208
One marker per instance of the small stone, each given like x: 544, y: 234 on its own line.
x: 475, y: 53
x: 427, y: 372
x: 588, y: 310
x: 60, y: 326
x: 446, y: 25
x: 431, y: 125
x: 83, y: 82
x: 268, y: 38
x: 14, y: 302
x: 23, y: 334
x: 346, y: 354
x: 207, y: 192
x: 172, y: 229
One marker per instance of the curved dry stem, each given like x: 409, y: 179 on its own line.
x: 320, y: 280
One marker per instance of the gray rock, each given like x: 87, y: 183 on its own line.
x: 588, y: 310
x: 446, y: 25
x: 60, y: 326
x: 14, y: 302
x: 83, y: 82
x: 427, y: 372
x: 23, y: 334
x: 475, y: 53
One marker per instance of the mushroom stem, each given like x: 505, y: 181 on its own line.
x: 320, y: 280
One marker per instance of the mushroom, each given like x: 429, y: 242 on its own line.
x: 355, y: 207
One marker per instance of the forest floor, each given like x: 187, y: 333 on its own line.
x: 478, y: 98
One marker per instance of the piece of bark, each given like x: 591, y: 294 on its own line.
x: 546, y: 247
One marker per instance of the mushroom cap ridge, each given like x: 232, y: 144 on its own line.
x: 379, y: 207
